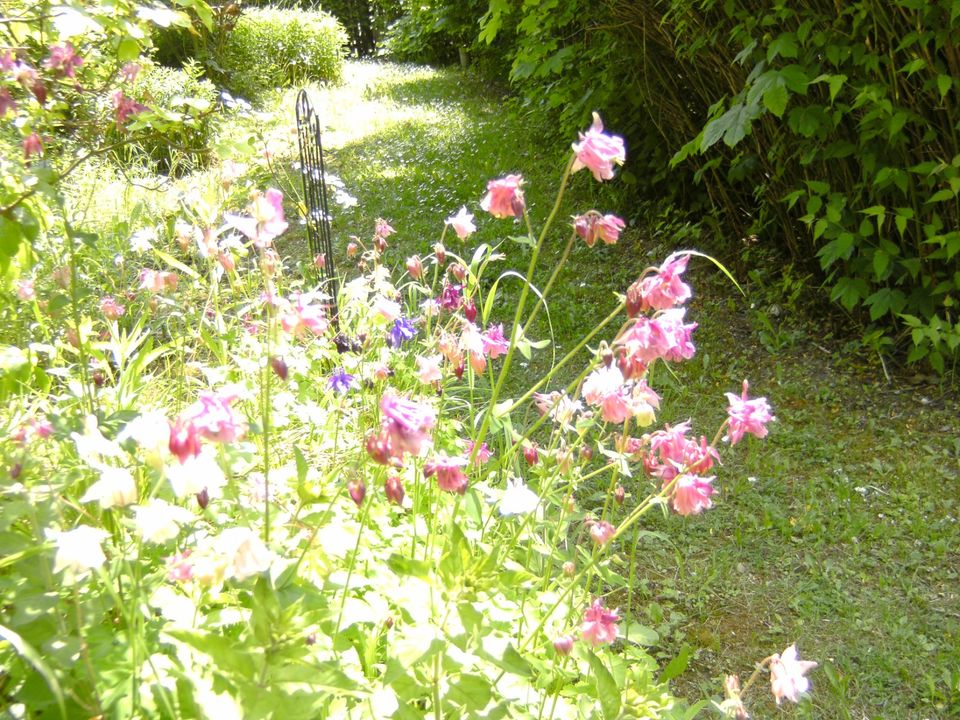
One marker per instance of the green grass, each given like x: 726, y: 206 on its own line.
x: 840, y: 531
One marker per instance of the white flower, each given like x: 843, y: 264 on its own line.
x: 195, y: 474
x: 79, y: 549
x: 787, y: 675
x: 518, y: 499
x: 142, y: 240
x: 92, y: 445
x: 115, y: 488
x: 159, y: 521
x: 243, y: 551
x: 151, y: 431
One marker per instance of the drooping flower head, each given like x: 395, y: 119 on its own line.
x: 598, y: 152
x: 599, y: 624
x: 747, y: 416
x: 462, y: 223
x: 661, y: 290
x: 504, y: 197
x: 428, y: 368
x: 303, y: 315
x: 111, y: 309
x: 451, y: 297
x: 787, y: 675
x: 601, y: 532
x: 691, y: 494
x: 124, y: 107
x: 214, y: 418
x: 407, y: 424
x: 32, y: 145
x: 79, y: 549
x: 402, y: 330
x: 63, y: 59
x: 449, y: 472
x: 593, y: 226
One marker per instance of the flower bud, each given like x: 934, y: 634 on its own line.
x: 634, y: 302
x: 380, y: 244
x: 311, y: 639
x: 320, y: 261
x: 388, y: 621
x: 203, y: 499
x: 563, y: 645
x: 358, y: 491
x: 279, y: 366
x: 530, y: 454
x: 352, y: 249
x: 458, y: 271
x: 393, y: 488
x: 619, y: 494
x: 378, y: 447
x: 15, y: 470
x: 470, y: 310
x: 226, y: 261
x: 458, y: 370
x: 569, y: 568
x: 415, y: 267
x: 586, y: 453
x: 440, y: 253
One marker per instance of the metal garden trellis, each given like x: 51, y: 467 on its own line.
x: 312, y: 171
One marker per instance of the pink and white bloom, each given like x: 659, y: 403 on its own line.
x: 598, y: 152
x: 691, y: 494
x: 383, y: 230
x: 672, y: 452
x: 64, y: 60
x: 243, y: 552
x: 129, y: 72
x: 504, y: 197
x: 415, y: 267
x: 787, y: 675
x: 661, y: 290
x: 494, y: 342
x: 599, y: 624
x: 25, y: 290
x: 111, y: 309
x: 196, y: 474
x: 386, y: 308
x: 158, y: 521
x: 32, y: 145
x: 747, y: 416
x: 593, y: 226
x: 428, y: 368
x: 80, y: 549
x: 214, y: 419
x: 601, y: 532
x: 449, y: 472
x: 665, y: 337
x: 462, y: 223
x: 302, y: 315
x: 407, y: 424
x: 265, y: 220
x: 115, y: 488
x: 158, y: 281
x: 483, y: 454
x: 471, y: 343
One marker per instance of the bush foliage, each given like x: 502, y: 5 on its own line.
x: 827, y: 130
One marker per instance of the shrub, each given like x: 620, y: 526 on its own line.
x: 271, y: 47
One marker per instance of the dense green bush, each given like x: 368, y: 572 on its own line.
x: 273, y: 47
x: 827, y: 129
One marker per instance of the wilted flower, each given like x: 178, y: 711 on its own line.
x: 504, y: 197
x: 79, y: 549
x: 747, y: 416
x: 599, y: 624
x: 787, y: 673
x: 462, y: 223
x: 598, y: 152
x: 449, y: 472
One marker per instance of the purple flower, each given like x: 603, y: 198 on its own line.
x: 402, y: 331
x: 452, y: 297
x: 341, y: 381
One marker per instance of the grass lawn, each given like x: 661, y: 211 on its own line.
x: 838, y: 532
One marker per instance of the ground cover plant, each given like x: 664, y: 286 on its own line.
x: 308, y: 589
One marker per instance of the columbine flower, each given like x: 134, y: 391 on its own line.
x: 450, y: 476
x: 124, y: 107
x: 599, y: 624
x: 598, y: 152
x: 214, y: 419
x: 451, y: 298
x: 303, y: 315
x: 747, y: 416
x: 428, y: 368
x: 787, y: 673
x: 142, y: 240
x: 32, y: 145
x: 383, y: 229
x: 593, y: 226
x: 195, y: 475
x: 386, y: 308
x: 243, y: 551
x: 184, y: 440
x: 393, y: 489
x: 158, y: 521
x: 415, y: 267
x: 407, y: 424
x: 665, y: 336
x: 483, y: 453
x: 63, y: 59
x: 517, y: 498
x: 504, y: 197
x: 601, y: 532
x: 494, y: 342
x: 79, y: 549
x: 692, y: 494
x: 341, y: 381
x: 563, y: 645
x: 111, y: 309
x: 401, y: 331
x: 25, y: 290
x: 661, y: 290
x: 7, y: 103
x: 129, y: 72
x: 462, y: 223
x: 158, y: 281
x: 265, y: 220
x: 672, y: 451
x: 115, y: 488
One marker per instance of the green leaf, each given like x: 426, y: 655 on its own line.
x: 31, y: 656
x: 881, y: 261
x: 640, y: 634
x: 402, y: 565
x: 732, y: 126
x: 775, y: 100
x: 225, y: 653
x: 944, y: 83
x: 677, y: 665
x: 470, y: 691
x: 784, y: 45
x: 10, y: 236
x: 527, y: 240
x: 128, y: 49
x: 607, y: 691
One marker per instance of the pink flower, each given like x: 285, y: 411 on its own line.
x: 428, y: 368
x: 494, y: 343
x: 471, y: 342
x: 691, y: 494
x: 407, y: 424
x: 747, y: 416
x: 25, y: 291
x: 386, y: 308
x: 462, y: 223
x: 787, y: 673
x: 303, y: 315
x: 664, y: 336
x: 184, y: 440
x: 598, y: 152
x: 483, y: 454
x: 383, y: 229
x: 7, y: 103
x: 601, y: 532
x: 592, y: 226
x: 504, y: 197
x: 662, y: 290
x: 393, y: 489
x: 672, y: 452
x: 111, y: 309
x: 214, y: 419
x: 129, y: 72
x: 63, y: 59
x: 124, y: 107
x: 563, y: 645
x: 32, y: 145
x: 265, y: 220
x: 599, y: 624
x: 415, y: 267
x: 158, y: 281
x: 449, y: 472
x: 451, y: 297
